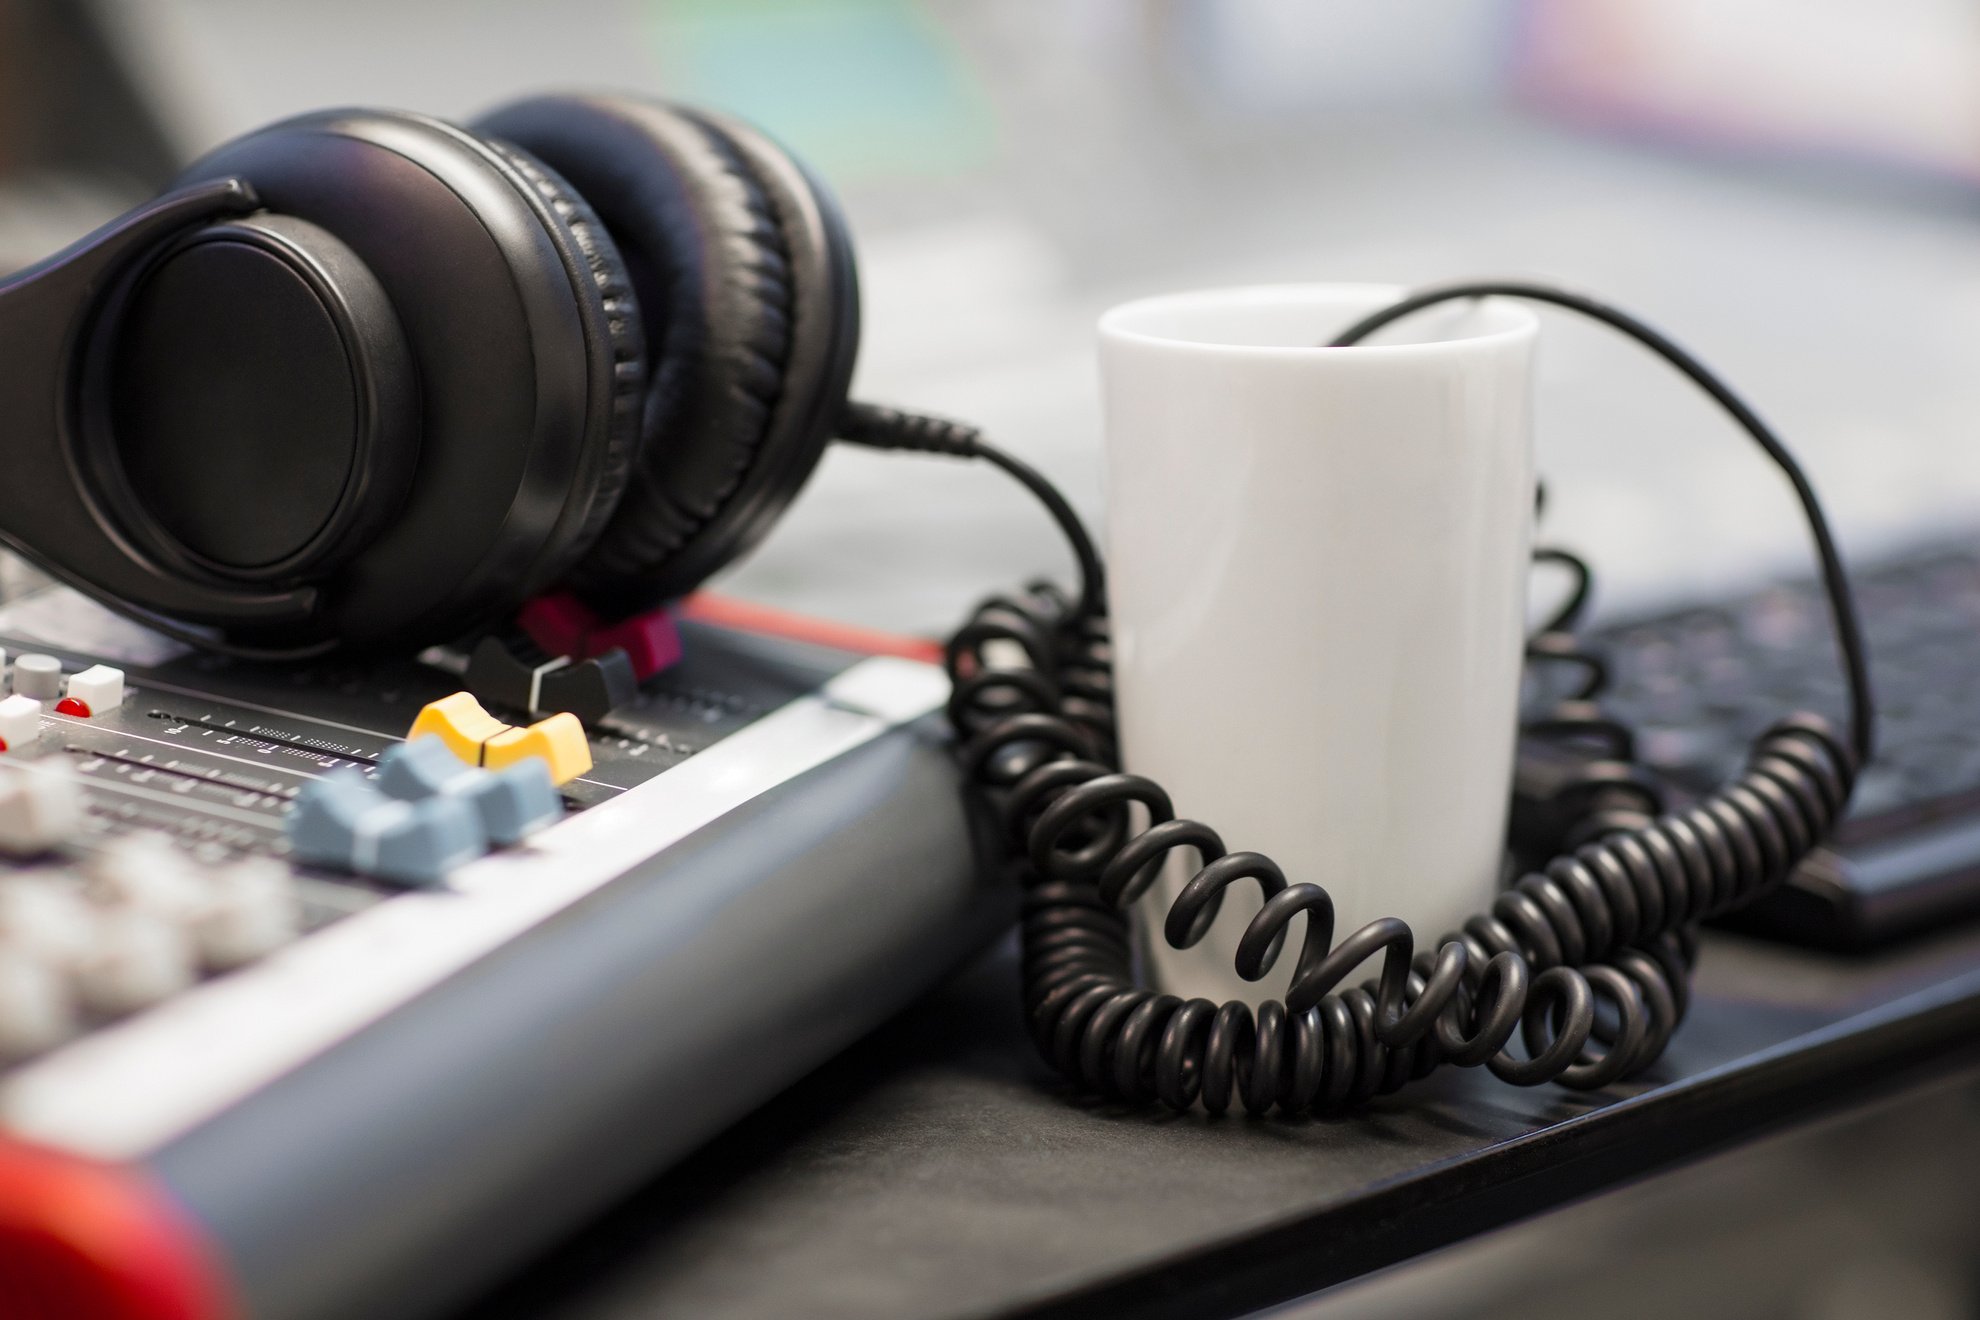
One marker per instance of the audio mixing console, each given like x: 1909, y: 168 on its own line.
x: 339, y: 1089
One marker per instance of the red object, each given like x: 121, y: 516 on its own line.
x: 727, y: 612
x: 87, y: 1241
x: 562, y: 624
x: 651, y: 640
x: 71, y: 706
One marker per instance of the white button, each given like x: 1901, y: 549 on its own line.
x: 39, y: 807
x: 98, y: 687
x: 20, y: 722
x: 251, y: 911
x: 145, y: 871
x: 38, y: 676
x: 36, y: 1009
x: 134, y: 960
x: 44, y: 918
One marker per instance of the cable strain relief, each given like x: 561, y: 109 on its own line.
x: 880, y: 427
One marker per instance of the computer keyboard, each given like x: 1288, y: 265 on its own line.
x: 1698, y: 682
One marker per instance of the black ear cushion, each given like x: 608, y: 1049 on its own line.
x: 725, y: 340
x: 626, y: 334
x: 734, y: 268
x: 710, y: 264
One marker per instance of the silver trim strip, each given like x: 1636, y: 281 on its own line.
x: 131, y: 1088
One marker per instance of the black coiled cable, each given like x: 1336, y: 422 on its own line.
x: 1585, y: 959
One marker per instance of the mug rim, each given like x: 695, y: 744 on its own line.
x: 1514, y: 322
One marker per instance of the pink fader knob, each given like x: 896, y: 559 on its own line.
x: 564, y: 625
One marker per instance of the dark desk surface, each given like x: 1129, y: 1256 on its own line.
x: 938, y: 1170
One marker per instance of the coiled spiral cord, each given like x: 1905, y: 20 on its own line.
x: 1586, y: 959
x: 1576, y: 778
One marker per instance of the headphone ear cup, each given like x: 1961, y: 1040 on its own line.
x: 523, y: 329
x: 742, y: 264
x: 625, y: 336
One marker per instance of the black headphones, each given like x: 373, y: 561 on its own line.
x: 367, y: 380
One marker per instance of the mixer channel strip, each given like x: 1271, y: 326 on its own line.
x: 155, y: 771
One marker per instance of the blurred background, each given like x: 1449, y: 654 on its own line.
x: 1792, y: 187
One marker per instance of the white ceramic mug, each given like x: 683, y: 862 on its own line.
x: 1317, y: 577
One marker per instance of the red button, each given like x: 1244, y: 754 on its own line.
x: 70, y: 706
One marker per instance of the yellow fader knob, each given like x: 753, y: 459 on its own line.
x: 478, y: 738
